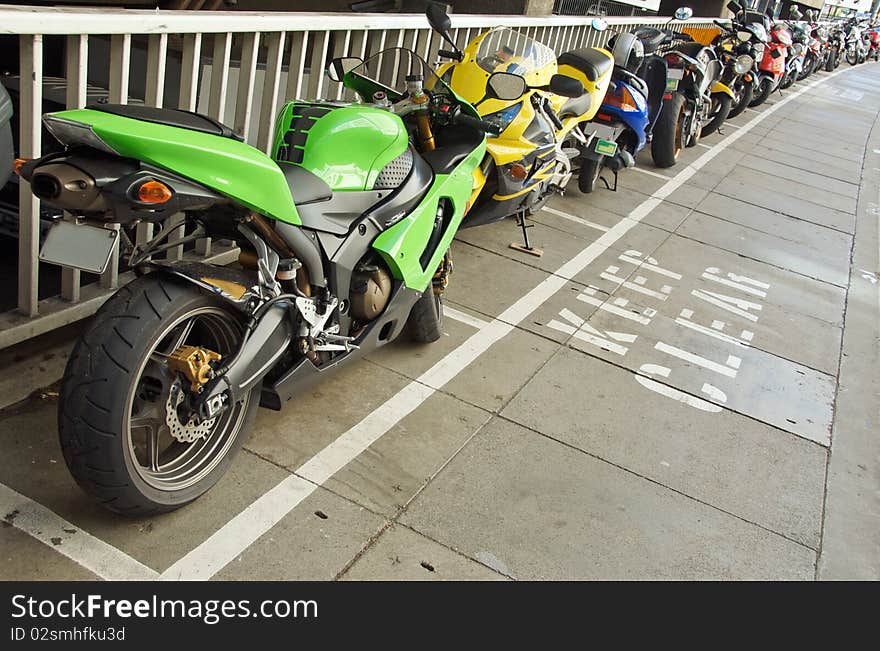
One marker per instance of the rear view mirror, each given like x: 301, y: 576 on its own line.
x: 506, y: 86
x: 734, y: 7
x: 338, y: 67
x: 437, y: 18
x: 566, y: 86
x: 599, y: 24
x: 683, y: 13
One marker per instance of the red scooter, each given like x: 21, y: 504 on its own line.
x: 874, y: 50
x: 771, y: 70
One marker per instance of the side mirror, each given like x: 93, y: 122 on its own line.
x: 734, y: 7
x: 338, y: 67
x: 599, y: 24
x: 506, y: 86
x: 566, y: 86
x: 683, y: 13
x: 437, y: 18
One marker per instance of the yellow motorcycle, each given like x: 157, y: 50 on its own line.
x: 536, y: 103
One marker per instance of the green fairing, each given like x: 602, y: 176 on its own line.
x: 213, y: 161
x: 347, y: 147
x: 403, y: 244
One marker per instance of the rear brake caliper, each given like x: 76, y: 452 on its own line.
x: 194, y: 364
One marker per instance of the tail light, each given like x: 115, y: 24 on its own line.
x: 623, y: 100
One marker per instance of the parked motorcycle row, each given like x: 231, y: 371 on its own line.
x: 345, y: 229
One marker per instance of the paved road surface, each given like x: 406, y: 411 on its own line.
x: 683, y: 387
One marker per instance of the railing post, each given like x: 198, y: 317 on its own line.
x: 77, y: 53
x: 316, y: 63
x: 247, y: 74
x: 271, y: 86
x: 31, y: 107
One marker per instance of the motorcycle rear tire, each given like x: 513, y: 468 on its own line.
x: 668, y: 135
x: 724, y: 104
x: 745, y: 100
x: 94, y: 417
x: 588, y: 175
x: 831, y: 61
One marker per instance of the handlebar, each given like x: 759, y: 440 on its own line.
x: 475, y: 123
x: 449, y: 54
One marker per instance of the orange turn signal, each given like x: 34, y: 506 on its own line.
x: 518, y: 172
x: 16, y: 166
x: 154, y: 192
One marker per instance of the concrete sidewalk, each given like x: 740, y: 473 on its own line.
x: 684, y: 386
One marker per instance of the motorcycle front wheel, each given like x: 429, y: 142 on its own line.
x: 765, y: 87
x: 747, y: 91
x: 125, y: 433
x: 852, y: 58
x: 721, y: 103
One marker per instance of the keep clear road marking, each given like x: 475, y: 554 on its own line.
x: 69, y: 540
x: 238, y: 534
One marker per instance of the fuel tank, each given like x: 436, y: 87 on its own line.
x: 346, y: 145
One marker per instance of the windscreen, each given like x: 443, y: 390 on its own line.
x: 506, y: 50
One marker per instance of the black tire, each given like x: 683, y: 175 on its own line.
x: 725, y: 101
x: 830, y: 61
x: 788, y: 79
x: 99, y: 397
x: 765, y: 87
x: 425, y: 321
x: 745, y: 99
x: 667, y: 140
x: 588, y: 176
x: 852, y: 58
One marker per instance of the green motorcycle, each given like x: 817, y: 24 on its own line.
x: 344, y: 236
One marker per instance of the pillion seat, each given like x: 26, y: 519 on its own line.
x: 169, y: 118
x: 591, y: 61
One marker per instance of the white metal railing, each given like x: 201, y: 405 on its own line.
x: 237, y: 67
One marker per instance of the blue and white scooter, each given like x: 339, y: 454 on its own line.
x: 632, y: 104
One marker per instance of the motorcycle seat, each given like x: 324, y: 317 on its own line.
x: 591, y: 61
x: 651, y: 38
x: 170, y: 118
x: 305, y: 187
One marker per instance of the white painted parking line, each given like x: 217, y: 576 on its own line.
x: 238, y: 534
x: 575, y: 219
x: 463, y: 317
x: 67, y: 539
x: 650, y: 173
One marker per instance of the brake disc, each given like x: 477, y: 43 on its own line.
x: 184, y: 432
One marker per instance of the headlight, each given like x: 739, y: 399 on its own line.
x: 743, y: 35
x: 503, y: 118
x: 743, y: 64
x: 70, y: 133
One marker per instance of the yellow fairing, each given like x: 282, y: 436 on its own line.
x: 718, y: 87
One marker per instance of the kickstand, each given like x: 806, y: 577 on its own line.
x: 526, y: 246
x: 605, y: 181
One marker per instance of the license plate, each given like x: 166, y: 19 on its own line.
x: 605, y: 147
x: 671, y: 85
x: 79, y: 246
x: 675, y: 73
